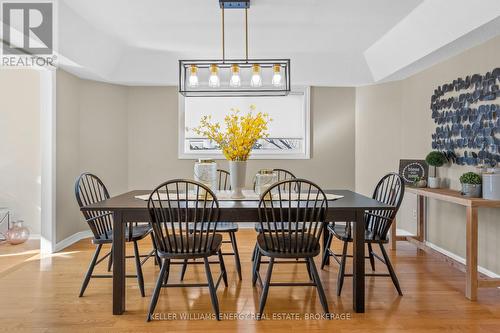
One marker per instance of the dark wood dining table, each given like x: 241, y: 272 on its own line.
x: 350, y: 208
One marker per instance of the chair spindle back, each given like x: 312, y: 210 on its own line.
x: 90, y: 189
x: 389, y: 190
x: 176, y: 204
x: 292, y: 222
x: 223, y: 180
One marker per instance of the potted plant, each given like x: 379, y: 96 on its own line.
x: 435, y: 159
x: 236, y: 141
x: 471, y: 184
x: 419, y: 181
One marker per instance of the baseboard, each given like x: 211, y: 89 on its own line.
x: 72, y: 239
x: 246, y: 225
x: 461, y: 260
x: 402, y: 232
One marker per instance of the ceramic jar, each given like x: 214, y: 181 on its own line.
x: 205, y: 172
x: 264, y: 179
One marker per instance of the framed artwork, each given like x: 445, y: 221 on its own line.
x: 411, y: 169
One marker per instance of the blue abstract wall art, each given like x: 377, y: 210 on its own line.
x: 468, y: 119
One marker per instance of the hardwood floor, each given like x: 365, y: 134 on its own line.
x: 41, y: 295
x: 13, y: 255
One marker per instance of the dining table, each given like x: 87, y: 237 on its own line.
x: 348, y: 206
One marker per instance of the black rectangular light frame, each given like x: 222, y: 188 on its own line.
x: 234, y: 4
x: 185, y: 90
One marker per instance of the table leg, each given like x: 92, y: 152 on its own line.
x: 393, y: 235
x: 358, y: 285
x: 118, y: 264
x: 471, y: 255
x: 421, y: 218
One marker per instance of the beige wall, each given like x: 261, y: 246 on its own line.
x: 103, y: 133
x: 378, y: 123
x: 411, y: 128
x: 67, y: 154
x: 20, y: 150
x: 153, y: 139
x: 91, y: 134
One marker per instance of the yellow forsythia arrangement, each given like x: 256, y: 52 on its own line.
x: 242, y: 132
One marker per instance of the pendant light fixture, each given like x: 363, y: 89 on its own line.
x: 234, y: 77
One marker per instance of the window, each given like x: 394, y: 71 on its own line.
x: 288, y: 132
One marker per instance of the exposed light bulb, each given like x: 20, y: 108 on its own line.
x: 256, y: 80
x: 276, y: 81
x: 235, y: 77
x: 193, y: 77
x: 213, y: 80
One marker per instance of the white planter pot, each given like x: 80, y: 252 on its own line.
x: 237, y: 171
x: 433, y: 182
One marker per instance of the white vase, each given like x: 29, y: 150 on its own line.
x: 433, y: 182
x: 237, y: 171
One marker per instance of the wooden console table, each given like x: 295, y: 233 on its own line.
x: 473, y: 280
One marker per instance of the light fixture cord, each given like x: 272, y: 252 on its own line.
x: 246, y: 34
x: 223, y: 41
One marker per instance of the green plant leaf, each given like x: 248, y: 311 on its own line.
x: 470, y: 178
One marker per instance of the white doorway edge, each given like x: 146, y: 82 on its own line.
x: 48, y: 160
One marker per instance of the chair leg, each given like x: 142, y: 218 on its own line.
x: 110, y: 260
x: 90, y: 270
x: 340, y: 279
x: 254, y: 263
x: 256, y: 266
x: 391, y: 270
x: 167, y: 263
x: 319, y: 286
x: 222, y: 267
x: 326, y: 254
x: 232, y: 235
x: 370, y: 255
x: 254, y: 253
x: 157, y: 289
x: 157, y: 258
x: 211, y: 287
x: 183, y: 271
x: 265, y: 291
x: 140, y: 277
x: 309, y: 271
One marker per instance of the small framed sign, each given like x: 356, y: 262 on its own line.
x: 411, y: 169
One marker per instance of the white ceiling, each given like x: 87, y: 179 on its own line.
x: 330, y: 42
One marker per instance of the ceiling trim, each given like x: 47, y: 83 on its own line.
x: 429, y: 27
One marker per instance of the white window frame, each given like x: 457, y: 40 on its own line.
x: 305, y: 154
